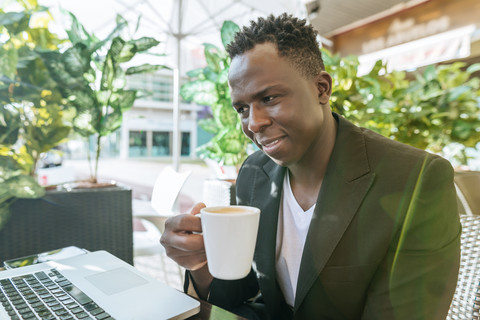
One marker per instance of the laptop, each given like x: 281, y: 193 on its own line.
x: 95, y: 285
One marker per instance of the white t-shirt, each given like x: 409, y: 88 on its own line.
x: 293, y: 224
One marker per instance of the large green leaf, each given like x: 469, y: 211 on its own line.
x: 229, y: 28
x: 54, y: 137
x: 119, y: 51
x: 110, y: 122
x: 109, y: 71
x: 77, y: 60
x: 457, y: 92
x: 210, y: 74
x: 123, y: 100
x: 209, y: 125
x: 213, y: 57
x: 56, y: 64
x: 77, y: 32
x: 9, y: 166
x: 473, y: 68
x: 127, y: 53
x: 82, y: 99
x: 144, y: 68
x: 201, y: 92
x: 43, y: 128
x: 15, y: 22
x: 225, y: 116
x: 195, y: 73
x: 83, y: 123
x: 25, y: 57
x: 8, y: 61
x: 120, y: 20
x: 10, y: 123
x: 23, y: 186
x: 144, y: 43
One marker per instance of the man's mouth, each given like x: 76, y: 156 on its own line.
x: 270, y: 145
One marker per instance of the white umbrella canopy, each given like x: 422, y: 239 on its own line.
x: 181, y: 26
x: 192, y: 22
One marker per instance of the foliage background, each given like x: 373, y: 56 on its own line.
x: 32, y: 114
x: 431, y: 109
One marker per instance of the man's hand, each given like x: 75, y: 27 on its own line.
x: 182, y: 240
x: 184, y: 245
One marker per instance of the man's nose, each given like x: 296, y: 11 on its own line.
x: 258, y: 119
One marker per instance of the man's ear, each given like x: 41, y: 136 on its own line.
x: 324, y: 86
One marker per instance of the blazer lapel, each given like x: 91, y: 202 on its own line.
x: 344, y: 186
x: 268, y: 200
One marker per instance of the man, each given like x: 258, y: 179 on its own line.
x: 353, y: 225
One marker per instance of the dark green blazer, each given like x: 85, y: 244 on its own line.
x: 383, y: 243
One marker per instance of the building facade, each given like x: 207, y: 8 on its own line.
x: 434, y: 31
x: 147, y: 128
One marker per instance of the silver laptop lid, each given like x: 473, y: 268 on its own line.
x: 117, y: 287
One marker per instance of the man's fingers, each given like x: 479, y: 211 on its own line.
x: 196, y: 209
x: 183, y: 222
x: 182, y: 241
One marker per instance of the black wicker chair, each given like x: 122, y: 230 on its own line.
x: 466, y: 300
x: 93, y: 219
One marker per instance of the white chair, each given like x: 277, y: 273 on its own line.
x: 166, y: 190
x: 149, y: 222
x: 146, y: 238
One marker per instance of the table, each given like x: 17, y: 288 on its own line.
x: 211, y: 312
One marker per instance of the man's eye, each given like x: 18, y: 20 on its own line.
x: 268, y: 99
x: 240, y: 110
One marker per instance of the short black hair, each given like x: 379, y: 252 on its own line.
x: 294, y: 38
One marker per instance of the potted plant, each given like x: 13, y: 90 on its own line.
x: 31, y: 118
x: 94, y: 83
x: 91, y: 218
x: 208, y: 86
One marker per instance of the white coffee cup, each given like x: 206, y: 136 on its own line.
x: 230, y: 234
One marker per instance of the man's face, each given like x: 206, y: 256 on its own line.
x: 282, y: 112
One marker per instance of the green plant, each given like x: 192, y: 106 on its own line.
x: 31, y: 118
x: 208, y: 86
x: 91, y: 77
x: 440, y: 106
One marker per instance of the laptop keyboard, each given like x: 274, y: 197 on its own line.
x: 47, y: 295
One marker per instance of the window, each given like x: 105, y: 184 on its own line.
x: 185, y: 148
x: 137, y: 144
x: 161, y: 144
